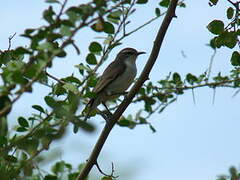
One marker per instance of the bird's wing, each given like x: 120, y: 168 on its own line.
x: 109, y: 75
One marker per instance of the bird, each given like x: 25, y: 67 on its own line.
x: 115, y: 80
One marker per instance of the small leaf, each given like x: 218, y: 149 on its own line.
x: 71, y: 87
x: 157, y: 12
x: 21, y: 129
x: 106, y: 178
x: 50, y: 177
x: 91, y: 59
x: 164, y: 3
x: 23, y: 122
x: 142, y: 1
x: 216, y: 27
x: 235, y: 59
x: 11, y: 158
x: 50, y: 101
x: 214, y: 2
x: 108, y: 28
x: 191, y: 79
x: 65, y: 30
x: 95, y: 47
x: 38, y: 108
x: 52, y: 1
x: 230, y: 12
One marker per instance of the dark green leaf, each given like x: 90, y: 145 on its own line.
x: 176, y: 78
x: 164, y: 3
x: 23, y: 122
x: 48, y: 15
x: 52, y: 1
x: 191, y: 79
x: 21, y: 50
x: 21, y: 129
x: 11, y: 158
x: 58, y: 167
x: 38, y: 108
x: 142, y: 1
x: 229, y: 39
x: 95, y: 47
x: 216, y: 27
x: 152, y: 128
x: 157, y: 12
x: 67, y: 23
x: 108, y: 28
x: 230, y: 12
x: 235, y: 59
x: 50, y: 101
x: 73, y: 176
x: 106, y: 178
x: 91, y: 59
x: 50, y: 177
x: 214, y: 2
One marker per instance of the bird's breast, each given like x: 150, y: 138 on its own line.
x: 123, y: 81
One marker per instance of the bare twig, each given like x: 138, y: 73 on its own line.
x: 10, y: 40
x: 143, y: 77
x: 111, y: 175
x: 54, y: 78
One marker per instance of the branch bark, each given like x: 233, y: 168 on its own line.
x: 122, y: 107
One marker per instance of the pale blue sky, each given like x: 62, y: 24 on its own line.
x: 192, y: 141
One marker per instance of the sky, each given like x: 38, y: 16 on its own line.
x: 193, y: 141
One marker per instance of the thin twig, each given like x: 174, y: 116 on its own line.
x: 54, y: 78
x: 111, y: 175
x: 10, y: 40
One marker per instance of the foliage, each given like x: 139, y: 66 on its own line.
x: 24, y: 66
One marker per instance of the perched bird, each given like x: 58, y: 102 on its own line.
x: 116, y: 78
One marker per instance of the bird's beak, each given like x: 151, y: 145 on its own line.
x: 141, y: 52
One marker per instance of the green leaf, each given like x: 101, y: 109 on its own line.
x: 10, y: 158
x: 50, y: 177
x: 164, y: 3
x: 176, y: 78
x: 108, y: 28
x: 73, y: 176
x: 65, y: 30
x: 191, y: 79
x: 46, y: 46
x: 21, y: 129
x: 52, y: 1
x: 142, y: 1
x: 157, y: 12
x: 67, y: 23
x: 235, y: 59
x: 21, y: 50
x: 214, y: 2
x: 50, y: 101
x: 23, y: 122
x: 216, y: 27
x: 38, y: 108
x: 230, y: 12
x: 71, y: 87
x: 48, y: 15
x: 91, y: 59
x: 95, y: 47
x: 106, y: 178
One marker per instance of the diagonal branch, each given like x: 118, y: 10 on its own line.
x: 122, y: 107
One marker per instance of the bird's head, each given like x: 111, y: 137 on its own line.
x: 129, y: 53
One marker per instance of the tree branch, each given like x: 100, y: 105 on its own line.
x: 122, y: 107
